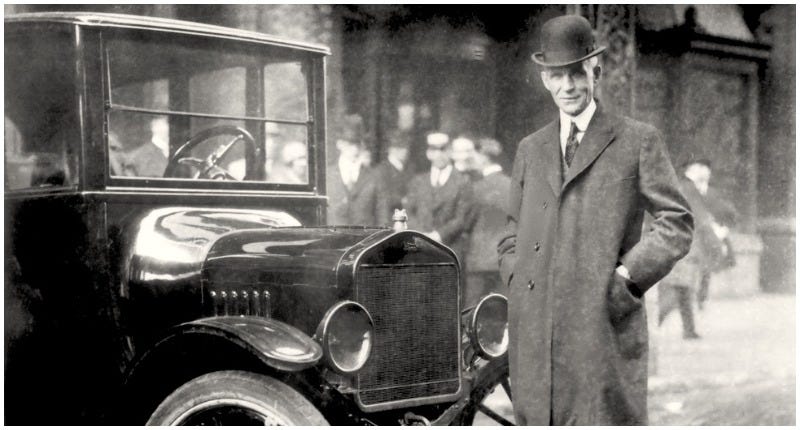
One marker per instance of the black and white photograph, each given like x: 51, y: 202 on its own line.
x: 399, y: 214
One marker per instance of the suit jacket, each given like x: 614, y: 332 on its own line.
x: 445, y: 209
x: 396, y: 184
x: 363, y: 204
x: 578, y: 334
x: 489, y: 221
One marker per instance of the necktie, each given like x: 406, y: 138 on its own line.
x: 572, y: 144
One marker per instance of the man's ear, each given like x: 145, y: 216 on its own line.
x: 543, y: 75
x: 597, y: 71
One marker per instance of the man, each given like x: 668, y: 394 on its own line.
x: 723, y: 217
x: 149, y: 160
x: 676, y: 288
x: 394, y: 170
x: 438, y: 201
x: 488, y: 213
x: 575, y: 254
x: 355, y: 194
x: 293, y: 165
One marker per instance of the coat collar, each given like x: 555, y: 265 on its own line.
x: 598, y: 135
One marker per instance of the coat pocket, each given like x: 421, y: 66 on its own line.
x: 621, y: 302
x: 627, y: 319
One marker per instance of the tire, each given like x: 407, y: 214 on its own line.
x: 490, y: 377
x: 236, y: 398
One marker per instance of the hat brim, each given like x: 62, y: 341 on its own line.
x: 538, y: 58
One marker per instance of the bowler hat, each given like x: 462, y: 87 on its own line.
x: 566, y: 40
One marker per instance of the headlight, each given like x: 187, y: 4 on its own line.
x: 346, y: 334
x: 489, y: 326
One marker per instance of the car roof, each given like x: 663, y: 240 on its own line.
x: 162, y: 24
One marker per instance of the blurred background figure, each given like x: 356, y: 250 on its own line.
x: 463, y: 154
x: 365, y: 156
x: 439, y: 200
x: 490, y: 192
x: 677, y: 289
x: 355, y: 194
x: 292, y: 166
x: 150, y: 158
x: 723, y: 217
x: 119, y: 165
x: 394, y: 170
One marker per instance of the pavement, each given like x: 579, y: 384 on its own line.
x: 740, y: 372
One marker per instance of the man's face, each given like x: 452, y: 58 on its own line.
x: 348, y: 150
x: 438, y: 156
x: 463, y: 153
x: 572, y: 87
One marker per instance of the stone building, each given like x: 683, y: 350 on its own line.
x: 718, y: 80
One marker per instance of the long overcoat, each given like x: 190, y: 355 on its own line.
x: 578, y: 335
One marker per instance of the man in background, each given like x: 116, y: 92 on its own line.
x: 723, y: 216
x: 677, y: 288
x: 490, y: 192
x: 439, y: 200
x: 394, y: 170
x: 355, y: 194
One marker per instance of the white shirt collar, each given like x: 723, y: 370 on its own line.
x: 395, y: 162
x: 349, y: 170
x: 581, y: 120
x: 494, y: 168
x: 442, y: 175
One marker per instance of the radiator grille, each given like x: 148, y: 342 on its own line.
x: 416, y: 351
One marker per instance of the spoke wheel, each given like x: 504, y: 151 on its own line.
x: 234, y: 398
x: 490, y: 401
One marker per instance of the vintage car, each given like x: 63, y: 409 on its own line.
x: 166, y: 254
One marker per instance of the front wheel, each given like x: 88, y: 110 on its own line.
x: 490, y: 401
x: 236, y: 398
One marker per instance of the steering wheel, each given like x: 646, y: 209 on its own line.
x: 208, y: 168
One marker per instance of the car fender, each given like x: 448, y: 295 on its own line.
x: 207, y: 344
x: 277, y: 344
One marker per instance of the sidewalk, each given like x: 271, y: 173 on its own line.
x: 742, y: 371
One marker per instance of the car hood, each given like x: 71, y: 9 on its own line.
x: 177, y: 243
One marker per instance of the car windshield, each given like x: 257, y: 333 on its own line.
x: 194, y: 109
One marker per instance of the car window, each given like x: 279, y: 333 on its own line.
x: 205, y: 111
x: 40, y: 132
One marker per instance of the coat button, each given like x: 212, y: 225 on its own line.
x: 536, y: 247
x: 531, y: 284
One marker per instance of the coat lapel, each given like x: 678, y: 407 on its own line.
x: 599, y: 134
x: 552, y: 157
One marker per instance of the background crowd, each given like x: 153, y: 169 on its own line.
x: 459, y: 200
